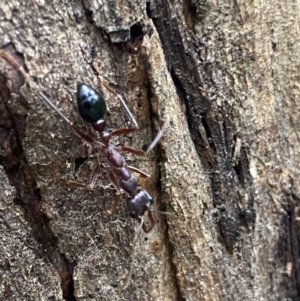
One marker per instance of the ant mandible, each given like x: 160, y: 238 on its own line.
x: 92, y: 109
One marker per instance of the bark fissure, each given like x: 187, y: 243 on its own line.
x: 28, y: 195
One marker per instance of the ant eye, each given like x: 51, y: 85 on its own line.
x: 151, y: 201
x: 133, y: 214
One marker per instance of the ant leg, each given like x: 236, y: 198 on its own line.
x: 115, y: 182
x: 92, y: 182
x: 158, y: 136
x: 35, y: 87
x: 121, y: 99
x: 140, y: 152
x: 120, y: 132
x: 81, y: 134
x: 151, y: 219
x: 156, y: 139
x: 123, y: 102
x: 134, y: 151
x: 140, y: 172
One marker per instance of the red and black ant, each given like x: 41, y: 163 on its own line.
x: 92, y: 109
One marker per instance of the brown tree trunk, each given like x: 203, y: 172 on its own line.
x: 226, y: 76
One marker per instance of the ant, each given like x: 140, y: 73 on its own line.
x: 92, y: 109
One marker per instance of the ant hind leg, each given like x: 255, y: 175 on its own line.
x: 115, y: 182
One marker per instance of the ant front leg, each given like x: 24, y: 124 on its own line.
x: 140, y: 152
x: 35, y: 87
x: 119, y: 96
x: 123, y: 102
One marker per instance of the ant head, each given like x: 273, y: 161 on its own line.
x: 91, y: 105
x: 139, y: 204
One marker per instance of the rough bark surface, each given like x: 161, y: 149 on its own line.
x: 226, y: 75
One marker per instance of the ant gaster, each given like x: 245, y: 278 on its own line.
x: 92, y: 109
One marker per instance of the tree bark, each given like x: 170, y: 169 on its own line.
x: 225, y: 75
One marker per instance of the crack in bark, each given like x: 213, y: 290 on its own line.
x: 29, y: 198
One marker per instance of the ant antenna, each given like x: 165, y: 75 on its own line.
x: 160, y: 212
